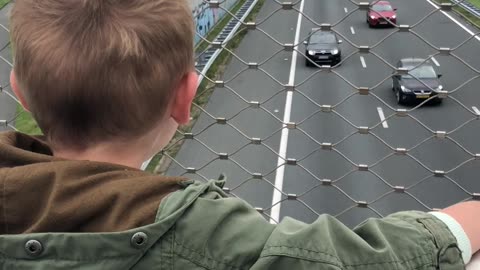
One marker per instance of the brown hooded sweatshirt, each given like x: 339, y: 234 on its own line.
x: 42, y: 193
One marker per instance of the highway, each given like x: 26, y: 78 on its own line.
x: 325, y: 181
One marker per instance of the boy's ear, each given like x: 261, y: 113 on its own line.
x: 17, y: 91
x: 183, y: 98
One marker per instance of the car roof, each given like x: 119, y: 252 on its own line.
x: 381, y: 3
x: 414, y: 61
x: 318, y: 31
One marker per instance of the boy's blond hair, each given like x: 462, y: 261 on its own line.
x: 96, y: 70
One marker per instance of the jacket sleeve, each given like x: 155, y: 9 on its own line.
x: 405, y: 240
x: 226, y: 233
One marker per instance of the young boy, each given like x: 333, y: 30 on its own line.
x: 109, y: 81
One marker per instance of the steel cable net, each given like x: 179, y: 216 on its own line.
x: 304, y: 141
x: 8, y: 101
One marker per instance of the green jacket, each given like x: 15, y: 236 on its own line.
x: 199, y: 227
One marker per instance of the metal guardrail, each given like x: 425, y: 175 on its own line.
x: 208, y: 57
x: 474, y: 10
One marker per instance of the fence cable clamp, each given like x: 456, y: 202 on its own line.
x: 252, y: 65
x: 258, y: 176
x: 446, y: 6
x: 254, y: 104
x: 326, y: 182
x: 287, y: 5
x: 191, y: 170
x: 251, y: 25
x: 364, y: 6
x: 256, y: 141
x: 292, y: 197
x: 364, y: 130
x: 364, y: 91
x: 219, y: 84
x: 221, y: 121
x: 214, y: 4
x: 362, y: 204
x: 291, y: 161
x: 327, y: 146
x: 216, y: 45
x: 363, y: 168
x: 404, y: 28
x: 440, y: 134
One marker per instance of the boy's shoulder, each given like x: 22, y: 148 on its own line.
x: 41, y: 189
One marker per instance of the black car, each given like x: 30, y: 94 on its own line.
x: 321, y: 47
x: 421, y: 83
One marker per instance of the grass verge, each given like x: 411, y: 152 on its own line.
x: 160, y: 162
x: 25, y: 122
x: 3, y: 3
x: 475, y: 2
x: 469, y: 17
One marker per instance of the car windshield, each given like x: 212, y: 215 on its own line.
x: 421, y: 72
x: 382, y: 8
x: 322, y: 38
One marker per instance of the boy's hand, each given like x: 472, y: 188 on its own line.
x: 467, y: 215
x: 462, y: 221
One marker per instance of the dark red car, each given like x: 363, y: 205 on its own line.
x: 381, y: 13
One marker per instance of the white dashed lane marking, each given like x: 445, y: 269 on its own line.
x: 364, y: 64
x: 435, y: 62
x: 352, y: 29
x: 382, y: 117
x: 476, y: 110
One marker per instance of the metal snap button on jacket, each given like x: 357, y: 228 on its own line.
x: 33, y: 248
x: 139, y: 239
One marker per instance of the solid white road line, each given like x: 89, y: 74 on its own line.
x: 364, y: 64
x: 282, y: 152
x: 435, y: 61
x: 454, y: 20
x: 476, y: 110
x: 353, y: 30
x: 346, y: 10
x: 382, y: 117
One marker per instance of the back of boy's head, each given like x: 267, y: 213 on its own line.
x: 97, y: 70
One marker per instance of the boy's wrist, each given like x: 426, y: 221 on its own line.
x: 457, y: 230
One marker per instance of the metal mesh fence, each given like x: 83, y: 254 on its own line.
x: 302, y: 141
x: 8, y: 101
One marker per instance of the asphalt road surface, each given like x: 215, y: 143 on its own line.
x: 7, y: 103
x: 309, y: 197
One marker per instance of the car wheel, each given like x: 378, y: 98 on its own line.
x: 399, y: 96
